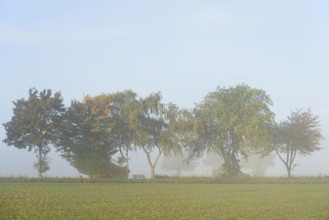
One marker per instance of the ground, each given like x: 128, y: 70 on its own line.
x: 163, y: 200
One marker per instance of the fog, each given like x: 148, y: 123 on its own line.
x: 209, y: 165
x: 185, y: 49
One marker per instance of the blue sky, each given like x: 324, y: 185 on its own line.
x: 184, y: 49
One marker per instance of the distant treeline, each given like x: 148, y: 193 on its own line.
x: 234, y: 123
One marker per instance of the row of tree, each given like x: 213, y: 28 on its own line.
x: 233, y: 122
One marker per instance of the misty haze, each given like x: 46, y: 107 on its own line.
x: 164, y: 110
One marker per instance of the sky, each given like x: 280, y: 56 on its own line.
x: 184, y: 49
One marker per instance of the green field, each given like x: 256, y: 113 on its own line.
x: 147, y: 200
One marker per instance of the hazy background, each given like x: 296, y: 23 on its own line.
x: 184, y: 49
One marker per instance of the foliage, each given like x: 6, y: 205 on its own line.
x: 151, y: 124
x: 232, y: 123
x: 125, y: 109
x: 299, y: 134
x: 158, y: 129
x: 97, y: 134
x: 35, y: 124
x: 87, y: 141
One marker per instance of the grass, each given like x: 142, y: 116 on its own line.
x: 162, y: 200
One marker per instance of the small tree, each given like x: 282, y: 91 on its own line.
x: 299, y: 134
x: 150, y: 126
x: 156, y: 130
x: 178, y: 163
x: 125, y: 109
x: 35, y: 124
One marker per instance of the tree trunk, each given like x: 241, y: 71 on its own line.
x: 127, y: 163
x: 152, y: 172
x: 39, y: 163
x: 288, y: 171
x: 152, y: 165
x: 288, y: 163
x: 231, y: 167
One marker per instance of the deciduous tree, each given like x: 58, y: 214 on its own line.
x: 299, y: 134
x: 35, y: 124
x: 125, y: 109
x: 87, y: 142
x: 232, y: 123
x: 156, y: 131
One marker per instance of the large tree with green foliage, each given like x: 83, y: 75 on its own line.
x: 232, y: 122
x: 87, y: 142
x: 35, y: 124
x: 299, y: 134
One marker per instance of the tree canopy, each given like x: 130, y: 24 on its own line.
x: 233, y: 122
x: 35, y: 124
x: 125, y: 111
x: 155, y: 132
x: 96, y: 134
x: 299, y: 134
x: 86, y: 141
